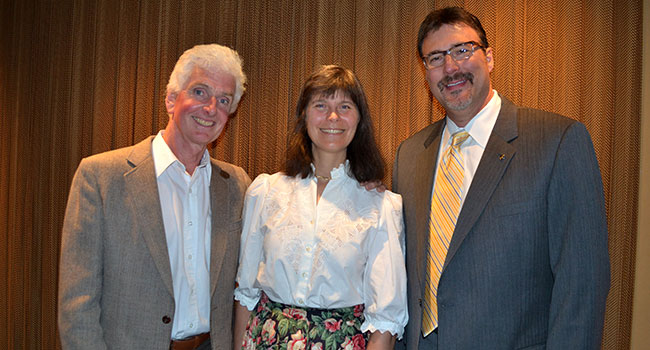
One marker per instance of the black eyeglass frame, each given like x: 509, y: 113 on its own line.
x: 444, y: 53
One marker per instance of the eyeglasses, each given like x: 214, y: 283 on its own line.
x: 458, y: 52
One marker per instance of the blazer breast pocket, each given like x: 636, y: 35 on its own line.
x: 516, y: 208
x: 510, y: 220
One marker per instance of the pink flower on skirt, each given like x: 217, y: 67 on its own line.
x: 332, y: 325
x: 358, y: 310
x: 296, y: 314
x: 268, y: 331
x: 248, y: 344
x: 359, y: 342
x: 297, y: 342
x: 347, y: 344
x: 254, y: 322
x: 317, y: 346
x: 264, y: 299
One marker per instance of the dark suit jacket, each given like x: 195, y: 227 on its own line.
x: 528, y: 265
x: 115, y: 284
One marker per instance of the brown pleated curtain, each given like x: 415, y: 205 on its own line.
x: 86, y: 76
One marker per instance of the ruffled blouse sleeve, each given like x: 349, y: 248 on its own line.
x: 252, y: 241
x: 384, y: 282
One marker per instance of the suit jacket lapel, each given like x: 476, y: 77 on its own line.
x: 496, y: 158
x: 424, y: 173
x: 219, y: 207
x: 142, y: 189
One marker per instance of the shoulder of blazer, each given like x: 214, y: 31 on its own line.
x: 120, y: 160
x: 515, y: 119
x: 424, y: 137
x: 231, y: 173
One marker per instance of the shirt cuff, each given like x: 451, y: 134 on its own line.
x: 247, y: 301
x: 382, y: 326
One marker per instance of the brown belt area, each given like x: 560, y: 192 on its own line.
x: 189, y: 343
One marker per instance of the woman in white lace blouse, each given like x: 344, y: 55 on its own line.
x: 321, y: 262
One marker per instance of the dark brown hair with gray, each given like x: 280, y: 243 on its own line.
x: 450, y: 15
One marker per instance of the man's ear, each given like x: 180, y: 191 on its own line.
x: 170, y: 101
x: 489, y: 56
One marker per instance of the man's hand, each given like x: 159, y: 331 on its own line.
x: 374, y: 185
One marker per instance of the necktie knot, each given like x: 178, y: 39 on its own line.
x: 458, y: 138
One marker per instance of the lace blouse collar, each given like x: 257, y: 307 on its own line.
x: 339, y: 172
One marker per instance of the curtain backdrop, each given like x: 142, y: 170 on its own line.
x: 78, y: 77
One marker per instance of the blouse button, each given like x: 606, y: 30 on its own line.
x: 300, y: 301
x: 308, y: 249
x: 304, y: 274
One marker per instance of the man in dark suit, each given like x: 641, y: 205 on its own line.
x: 504, y: 211
x: 151, y: 232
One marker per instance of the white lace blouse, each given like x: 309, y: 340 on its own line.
x: 346, y: 250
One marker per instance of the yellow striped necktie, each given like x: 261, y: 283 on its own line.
x: 445, y: 206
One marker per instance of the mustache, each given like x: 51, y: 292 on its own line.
x: 458, y: 76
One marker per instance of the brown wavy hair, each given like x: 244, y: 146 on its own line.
x: 365, y: 160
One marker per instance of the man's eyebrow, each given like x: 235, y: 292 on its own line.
x: 199, y: 84
x: 225, y: 93
x: 441, y: 51
x: 211, y: 89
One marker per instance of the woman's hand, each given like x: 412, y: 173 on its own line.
x: 381, y: 340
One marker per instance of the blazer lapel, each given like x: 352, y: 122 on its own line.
x: 424, y: 173
x: 219, y: 207
x: 494, y: 162
x: 142, y: 188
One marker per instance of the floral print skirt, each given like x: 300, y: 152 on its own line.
x: 286, y: 327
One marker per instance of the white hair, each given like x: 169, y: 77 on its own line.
x: 213, y: 58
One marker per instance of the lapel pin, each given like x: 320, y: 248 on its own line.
x: 502, y: 156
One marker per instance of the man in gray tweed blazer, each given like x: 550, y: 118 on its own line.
x: 151, y: 232
x: 526, y: 264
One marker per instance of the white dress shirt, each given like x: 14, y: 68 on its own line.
x: 345, y: 250
x: 479, y: 129
x: 185, y: 203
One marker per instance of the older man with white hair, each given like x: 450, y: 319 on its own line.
x: 151, y: 232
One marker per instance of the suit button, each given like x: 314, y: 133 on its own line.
x: 420, y: 302
x: 166, y: 319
